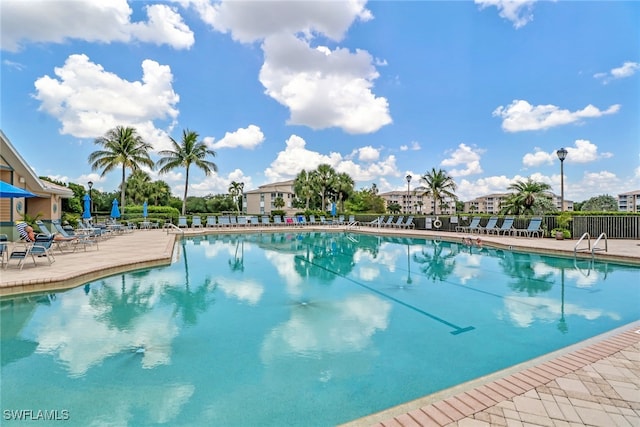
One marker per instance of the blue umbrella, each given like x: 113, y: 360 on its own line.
x: 115, y: 211
x: 333, y: 209
x: 86, y: 214
x: 8, y: 191
x: 145, y: 213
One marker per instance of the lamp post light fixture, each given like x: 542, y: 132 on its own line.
x: 90, y: 185
x: 408, y: 204
x: 562, y: 154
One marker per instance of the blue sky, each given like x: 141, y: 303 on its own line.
x: 487, y: 90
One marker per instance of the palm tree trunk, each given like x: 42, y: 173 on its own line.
x: 122, y: 192
x: 186, y: 186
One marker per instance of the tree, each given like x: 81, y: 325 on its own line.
x: 138, y: 187
x: 278, y: 203
x: 236, y: 190
x: 603, y: 203
x: 343, y: 188
x: 303, y: 186
x: 394, y: 208
x: 159, y: 193
x: 526, y: 192
x: 438, y: 185
x: 324, y: 180
x: 189, y: 152
x: 121, y: 146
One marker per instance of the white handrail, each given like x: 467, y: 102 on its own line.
x: 170, y: 225
x: 595, y: 245
x: 575, y: 248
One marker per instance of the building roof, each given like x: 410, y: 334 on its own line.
x: 39, y: 187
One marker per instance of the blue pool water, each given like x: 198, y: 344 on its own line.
x: 309, y: 329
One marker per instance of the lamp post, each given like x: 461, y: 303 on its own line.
x: 90, y: 184
x: 408, y: 204
x: 562, y: 154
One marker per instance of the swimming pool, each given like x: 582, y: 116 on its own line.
x: 297, y: 329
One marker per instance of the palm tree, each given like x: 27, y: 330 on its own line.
x: 324, y: 180
x: 189, y: 152
x: 524, y: 197
x: 235, y: 190
x: 343, y: 187
x: 138, y: 187
x: 303, y: 186
x: 121, y: 146
x: 437, y: 185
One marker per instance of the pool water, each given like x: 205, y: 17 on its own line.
x: 294, y: 328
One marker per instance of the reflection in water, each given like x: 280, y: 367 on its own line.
x: 294, y: 323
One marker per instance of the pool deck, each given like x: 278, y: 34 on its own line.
x: 593, y: 383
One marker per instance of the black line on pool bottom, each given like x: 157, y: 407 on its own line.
x: 457, y: 329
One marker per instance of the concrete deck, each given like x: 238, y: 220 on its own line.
x: 594, y: 383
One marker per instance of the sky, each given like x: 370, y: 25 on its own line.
x: 487, y: 90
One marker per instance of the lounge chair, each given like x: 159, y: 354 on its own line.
x: 408, y: 223
x: 473, y: 226
x: 506, y: 227
x: 254, y: 221
x: 492, y: 226
x: 312, y: 220
x: 301, y: 220
x: 534, y: 228
x: 398, y: 222
x: 376, y: 222
x: 4, y: 249
x: 388, y: 222
x: 196, y: 221
x: 224, y: 221
x: 211, y: 221
x: 41, y: 247
x: 277, y: 220
x: 264, y: 220
x: 182, y: 222
x: 340, y: 220
x: 323, y: 221
x: 85, y: 240
x: 242, y: 221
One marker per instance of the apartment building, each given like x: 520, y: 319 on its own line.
x: 261, y: 201
x: 629, y: 202
x: 413, y: 202
x: 492, y: 203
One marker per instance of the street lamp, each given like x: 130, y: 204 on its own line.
x: 90, y: 184
x: 408, y: 178
x: 562, y: 154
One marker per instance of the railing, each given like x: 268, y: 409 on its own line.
x: 588, y: 248
x: 353, y: 224
x: 169, y: 227
x: 595, y: 245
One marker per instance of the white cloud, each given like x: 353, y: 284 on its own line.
x: 627, y: 69
x: 583, y: 152
x: 44, y: 21
x: 212, y: 184
x: 249, y: 138
x: 88, y: 101
x: 519, y: 12
x: 368, y: 154
x: 252, y: 21
x: 295, y: 157
x: 323, y: 88
x: 414, y: 146
x: 521, y: 116
x: 464, y: 155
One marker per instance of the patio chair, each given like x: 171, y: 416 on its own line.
x: 264, y: 220
x: 242, y: 221
x: 408, y: 223
x: 398, y: 222
x: 473, y: 226
x: 277, y: 220
x: 85, y: 240
x: 376, y: 222
x: 254, y: 221
x: 492, y: 226
x: 42, y: 248
x: 4, y: 249
x: 224, y: 221
x: 388, y: 222
x: 182, y: 222
x: 196, y: 221
x: 301, y: 220
x: 312, y: 220
x: 506, y: 227
x: 211, y: 221
x: 340, y: 220
x: 534, y: 228
x: 323, y: 221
